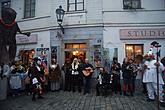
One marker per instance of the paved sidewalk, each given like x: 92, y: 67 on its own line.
x: 75, y: 101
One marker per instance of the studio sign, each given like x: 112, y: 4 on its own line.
x: 142, y: 33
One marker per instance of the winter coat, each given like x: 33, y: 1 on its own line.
x: 55, y: 73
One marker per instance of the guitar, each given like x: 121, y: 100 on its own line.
x: 87, y: 71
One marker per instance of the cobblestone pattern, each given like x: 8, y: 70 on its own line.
x: 75, y: 101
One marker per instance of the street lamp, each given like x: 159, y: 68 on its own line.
x: 60, y: 15
x: 156, y: 45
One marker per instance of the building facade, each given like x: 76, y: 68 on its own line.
x: 131, y: 25
x: 93, y: 29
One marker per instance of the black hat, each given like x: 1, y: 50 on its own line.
x: 36, y: 59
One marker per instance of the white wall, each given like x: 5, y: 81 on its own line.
x: 153, y: 12
x: 117, y: 5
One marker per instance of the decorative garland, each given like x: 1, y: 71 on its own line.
x: 7, y: 25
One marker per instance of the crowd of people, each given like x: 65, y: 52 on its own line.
x: 37, y: 79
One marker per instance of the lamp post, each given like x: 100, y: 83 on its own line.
x: 60, y: 15
x: 156, y: 45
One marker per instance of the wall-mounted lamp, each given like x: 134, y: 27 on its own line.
x: 60, y: 15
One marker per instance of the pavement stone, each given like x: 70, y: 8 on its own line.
x: 74, y: 101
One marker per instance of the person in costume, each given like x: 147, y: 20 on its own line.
x: 150, y: 77
x: 36, y: 74
x: 67, y: 71
x: 128, y: 69
x: 116, y: 68
x: 54, y: 76
x: 75, y: 76
x: 102, y: 84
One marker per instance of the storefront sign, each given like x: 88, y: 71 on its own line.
x: 142, y: 33
x: 23, y: 39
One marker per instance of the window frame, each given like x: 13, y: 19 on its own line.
x: 75, y: 3
x: 134, y: 52
x: 126, y: 6
x: 30, y: 10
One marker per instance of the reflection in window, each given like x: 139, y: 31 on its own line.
x: 133, y: 49
x: 75, y: 46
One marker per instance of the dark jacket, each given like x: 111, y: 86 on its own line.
x: 127, y: 70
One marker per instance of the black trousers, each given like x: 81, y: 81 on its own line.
x: 101, y: 88
x: 116, y: 83
x: 75, y: 83
x: 67, y: 82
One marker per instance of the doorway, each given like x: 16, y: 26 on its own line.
x: 78, y: 54
x: 77, y: 50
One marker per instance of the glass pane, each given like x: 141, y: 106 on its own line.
x: 72, y: 7
x: 27, y: 7
x: 27, y: 14
x: 32, y: 13
x: 68, y: 46
x: 82, y: 46
x: 71, y: 1
x: 129, y: 51
x: 27, y: 2
x: 32, y: 6
x: 33, y: 1
x: 136, y: 4
x: 80, y: 6
x: 138, y: 50
x: 80, y: 1
x: 76, y: 46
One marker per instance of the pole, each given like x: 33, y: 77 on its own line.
x: 157, y: 71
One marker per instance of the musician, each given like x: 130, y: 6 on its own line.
x: 102, y: 81
x: 87, y: 73
x: 127, y: 69
x: 115, y: 68
x: 75, y: 75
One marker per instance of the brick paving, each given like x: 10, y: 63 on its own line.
x: 74, y: 101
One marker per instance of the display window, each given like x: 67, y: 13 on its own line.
x: 132, y: 50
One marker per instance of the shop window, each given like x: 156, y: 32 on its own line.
x: 75, y: 5
x: 132, y: 50
x: 75, y: 46
x: 131, y: 4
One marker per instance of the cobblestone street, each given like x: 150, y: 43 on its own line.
x: 75, y: 101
